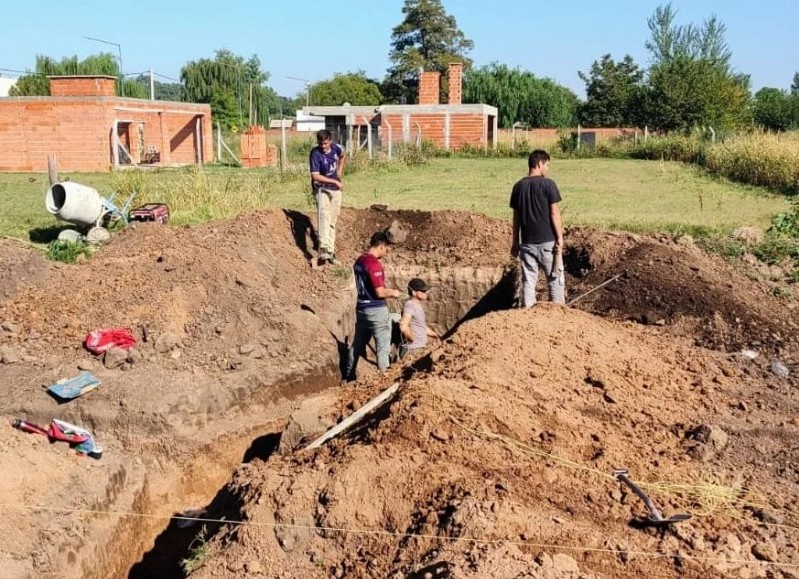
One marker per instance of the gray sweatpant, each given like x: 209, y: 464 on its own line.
x: 535, y: 256
x: 370, y: 322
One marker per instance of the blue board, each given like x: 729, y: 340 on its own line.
x: 70, y: 388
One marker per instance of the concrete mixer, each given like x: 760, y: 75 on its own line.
x: 84, y: 207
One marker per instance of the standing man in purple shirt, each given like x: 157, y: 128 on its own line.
x: 327, y: 162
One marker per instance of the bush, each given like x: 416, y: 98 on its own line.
x: 67, y: 251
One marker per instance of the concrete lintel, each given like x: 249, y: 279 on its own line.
x: 102, y: 99
x: 474, y: 109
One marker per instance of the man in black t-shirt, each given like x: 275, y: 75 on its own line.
x: 538, y: 230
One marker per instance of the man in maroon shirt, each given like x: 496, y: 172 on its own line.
x: 371, y: 312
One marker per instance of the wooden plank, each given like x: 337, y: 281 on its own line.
x: 355, y: 417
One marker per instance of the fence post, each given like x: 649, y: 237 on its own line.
x: 389, y: 138
x: 198, y: 140
x: 579, y: 132
x: 368, y: 137
x: 418, y: 134
x: 513, y: 134
x: 282, y: 145
x: 52, y: 169
x: 218, y: 143
x: 646, y: 133
x: 712, y: 134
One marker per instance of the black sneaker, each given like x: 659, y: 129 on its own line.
x: 324, y: 257
x: 333, y: 260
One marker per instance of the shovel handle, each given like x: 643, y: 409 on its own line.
x: 653, y: 510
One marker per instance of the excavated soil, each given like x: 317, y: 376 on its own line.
x: 493, y: 461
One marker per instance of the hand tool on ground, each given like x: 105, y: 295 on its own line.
x: 78, y: 438
x: 654, y: 518
x: 600, y: 286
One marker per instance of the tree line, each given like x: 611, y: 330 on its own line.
x: 689, y: 82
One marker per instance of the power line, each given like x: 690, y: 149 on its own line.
x: 167, y: 77
x: 19, y: 71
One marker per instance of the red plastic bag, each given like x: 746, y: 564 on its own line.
x: 98, y: 341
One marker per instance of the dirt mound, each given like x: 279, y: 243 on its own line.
x: 439, y: 238
x: 234, y: 326
x: 496, y: 459
x: 20, y: 266
x: 675, y: 284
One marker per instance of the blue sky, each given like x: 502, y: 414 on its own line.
x: 312, y: 40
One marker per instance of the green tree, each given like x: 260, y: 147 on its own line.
x: 352, y: 87
x: 37, y: 84
x: 32, y: 84
x: 795, y: 84
x: 427, y: 39
x: 164, y: 91
x: 226, y: 83
x: 684, y: 93
x: 520, y: 96
x: 774, y: 109
x: 614, y: 92
x: 690, y: 82
x: 670, y: 41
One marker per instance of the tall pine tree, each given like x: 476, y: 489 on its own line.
x: 427, y: 39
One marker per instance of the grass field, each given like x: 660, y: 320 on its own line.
x: 603, y: 193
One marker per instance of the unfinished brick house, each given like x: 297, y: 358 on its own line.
x: 449, y: 126
x: 88, y: 128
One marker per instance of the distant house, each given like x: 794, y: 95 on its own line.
x: 309, y: 123
x: 450, y: 126
x: 6, y: 84
x: 89, y: 128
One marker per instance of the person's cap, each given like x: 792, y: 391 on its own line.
x: 418, y: 285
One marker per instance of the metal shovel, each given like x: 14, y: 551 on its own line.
x: 655, y: 519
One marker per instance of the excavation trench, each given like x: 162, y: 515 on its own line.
x: 138, y: 547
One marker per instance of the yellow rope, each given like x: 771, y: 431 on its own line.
x: 392, y: 534
x: 713, y: 493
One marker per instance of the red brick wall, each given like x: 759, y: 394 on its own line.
x: 83, y: 86
x: 177, y: 147
x: 455, y: 76
x: 464, y: 128
x: 429, y: 86
x: 78, y: 132
x: 467, y: 129
x: 33, y: 129
x: 549, y: 137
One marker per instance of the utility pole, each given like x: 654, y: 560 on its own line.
x: 119, y: 47
x: 250, y: 112
x: 307, y: 88
x: 152, y: 86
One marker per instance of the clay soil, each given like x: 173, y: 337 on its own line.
x: 495, y: 460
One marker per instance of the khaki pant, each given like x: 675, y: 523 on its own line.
x: 328, y: 207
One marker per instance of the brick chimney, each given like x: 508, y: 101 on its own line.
x: 429, y: 85
x: 83, y: 85
x: 455, y: 75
